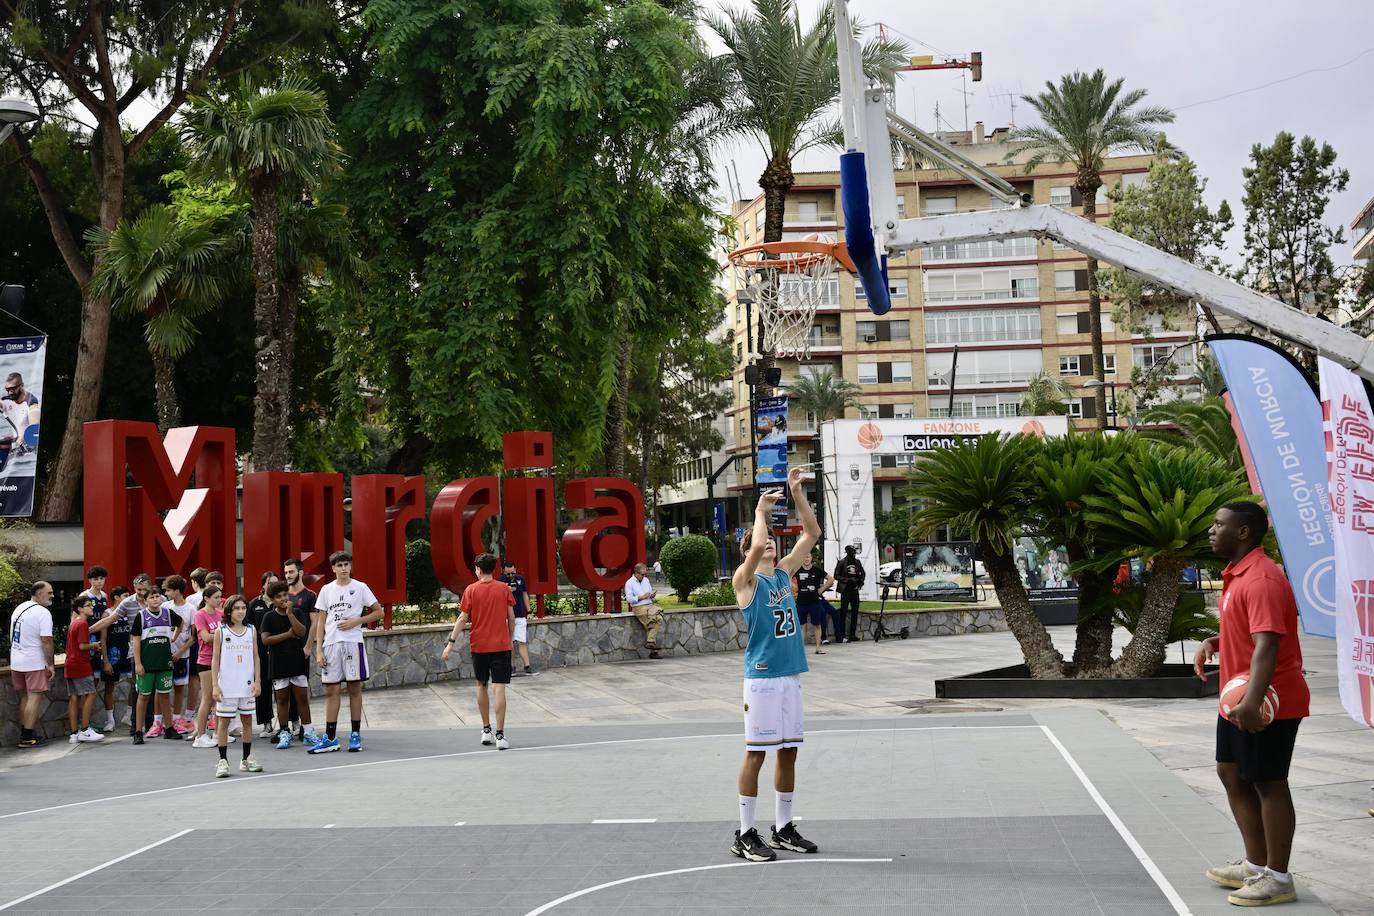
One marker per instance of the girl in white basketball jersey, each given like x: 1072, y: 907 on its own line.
x: 235, y: 674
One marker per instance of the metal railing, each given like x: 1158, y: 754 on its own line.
x: 1029, y: 291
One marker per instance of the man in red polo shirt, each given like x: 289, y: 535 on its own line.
x: 490, y: 605
x: 1258, y: 640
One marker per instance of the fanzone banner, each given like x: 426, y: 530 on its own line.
x: 1349, y: 441
x: 21, y: 368
x: 1276, y: 406
x: 770, y: 432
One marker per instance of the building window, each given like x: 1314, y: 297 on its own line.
x: 901, y: 372
x: 1076, y: 409
x: 985, y: 285
x: 1109, y: 364
x: 866, y: 330
x: 758, y: 221
x: 982, y: 325
x: 933, y: 206
x: 806, y: 211
x: 901, y: 206
x: 897, y: 287
x: 868, y: 373
x: 1061, y: 197
x: 1134, y: 179
x: 902, y: 411
x: 1068, y: 365
x: 1070, y: 281
x: 980, y: 251
x: 900, y: 330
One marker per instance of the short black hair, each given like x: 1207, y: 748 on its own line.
x: 80, y: 602
x: 275, y: 589
x: 214, y: 575
x: 292, y: 561
x: 508, y: 564
x: 118, y: 592
x: 485, y: 562
x: 850, y: 548
x: 97, y: 572
x: 267, y: 574
x: 176, y: 583
x: 198, y: 575
x: 1252, y: 516
x: 340, y: 556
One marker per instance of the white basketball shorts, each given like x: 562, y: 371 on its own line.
x: 518, y: 634
x: 344, y: 661
x: 228, y: 707
x: 773, y: 717
x: 281, y: 683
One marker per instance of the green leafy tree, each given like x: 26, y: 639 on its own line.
x: 1085, y: 120
x: 1167, y: 213
x: 269, y: 142
x: 689, y: 562
x: 894, y: 527
x: 1046, y: 395
x: 984, y: 489
x: 87, y: 63
x: 165, y: 271
x: 1204, y: 424
x: 1288, y: 186
x: 422, y: 585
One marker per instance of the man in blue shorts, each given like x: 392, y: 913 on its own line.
x: 774, y: 659
x: 808, y: 584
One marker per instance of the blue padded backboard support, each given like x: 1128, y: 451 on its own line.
x: 858, y: 232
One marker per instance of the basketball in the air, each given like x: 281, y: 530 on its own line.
x: 1234, y: 693
x: 870, y: 436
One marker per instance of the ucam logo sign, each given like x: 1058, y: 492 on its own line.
x: 166, y: 506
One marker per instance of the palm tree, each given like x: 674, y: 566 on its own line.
x: 267, y: 141
x: 1204, y: 424
x: 1046, y: 395
x: 985, y: 489
x: 825, y: 397
x: 1087, y: 119
x: 162, y: 269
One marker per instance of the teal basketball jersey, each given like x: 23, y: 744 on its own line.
x: 776, y: 647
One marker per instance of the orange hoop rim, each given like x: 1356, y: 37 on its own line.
x: 805, y: 254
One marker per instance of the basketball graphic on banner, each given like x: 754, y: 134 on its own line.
x: 870, y: 436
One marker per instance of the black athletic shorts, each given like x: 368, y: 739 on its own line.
x: 1263, y: 756
x: 122, y: 669
x: 197, y: 667
x: 491, y: 667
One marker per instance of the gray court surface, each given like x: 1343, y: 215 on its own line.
x: 1055, y: 812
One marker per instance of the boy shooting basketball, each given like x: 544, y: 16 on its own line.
x: 774, y: 659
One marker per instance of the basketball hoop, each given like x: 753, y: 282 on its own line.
x: 788, y: 281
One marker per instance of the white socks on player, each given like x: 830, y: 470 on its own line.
x: 747, y: 804
x: 783, y: 810
x: 1283, y: 876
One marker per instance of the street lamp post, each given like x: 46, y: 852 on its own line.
x: 14, y: 112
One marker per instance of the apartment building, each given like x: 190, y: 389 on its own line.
x: 1012, y: 309
x: 1362, y: 235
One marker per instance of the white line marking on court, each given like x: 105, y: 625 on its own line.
x: 460, y: 823
x: 682, y: 871
x: 625, y: 820
x: 1151, y: 868
x: 486, y: 753
x: 326, y: 826
x: 91, y: 871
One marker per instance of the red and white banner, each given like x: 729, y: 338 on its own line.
x: 1349, y: 429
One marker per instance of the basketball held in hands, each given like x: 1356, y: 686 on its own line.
x: 1233, y: 694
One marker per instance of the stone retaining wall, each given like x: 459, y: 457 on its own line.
x: 409, y: 656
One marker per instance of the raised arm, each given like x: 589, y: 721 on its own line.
x: 811, y: 529
x: 759, y: 539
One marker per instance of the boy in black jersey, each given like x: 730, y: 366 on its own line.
x: 808, y: 584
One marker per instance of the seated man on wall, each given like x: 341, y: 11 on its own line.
x: 640, y: 596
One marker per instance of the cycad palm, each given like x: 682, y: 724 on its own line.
x: 163, y: 270
x: 985, y: 489
x: 1204, y: 424
x: 265, y: 141
x: 1086, y: 119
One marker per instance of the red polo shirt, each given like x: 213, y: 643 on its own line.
x: 1256, y: 598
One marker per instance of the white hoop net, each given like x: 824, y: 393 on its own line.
x: 787, y: 289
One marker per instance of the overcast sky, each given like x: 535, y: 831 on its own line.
x: 1183, y: 53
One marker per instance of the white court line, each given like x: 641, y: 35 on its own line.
x: 485, y: 753
x: 326, y: 826
x: 460, y: 823
x: 1175, y: 899
x: 91, y: 871
x: 625, y: 820
x: 682, y: 871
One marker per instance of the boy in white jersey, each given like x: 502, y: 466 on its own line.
x: 346, y: 606
x: 774, y: 659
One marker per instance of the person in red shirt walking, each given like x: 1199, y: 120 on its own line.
x: 1258, y: 640
x: 80, y: 674
x: 490, y: 605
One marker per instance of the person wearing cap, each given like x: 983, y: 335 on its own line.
x: 849, y: 578
x: 128, y: 609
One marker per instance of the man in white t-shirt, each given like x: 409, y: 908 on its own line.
x: 31, y: 660
x: 640, y: 596
x: 344, y: 608
x: 174, y: 590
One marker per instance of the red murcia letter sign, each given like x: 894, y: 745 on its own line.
x: 166, y: 506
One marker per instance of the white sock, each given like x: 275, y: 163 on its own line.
x: 784, y: 809
x: 1255, y: 869
x: 158, y: 718
x: 1283, y: 876
x: 747, y: 804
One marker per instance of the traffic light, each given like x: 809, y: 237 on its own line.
x: 976, y: 65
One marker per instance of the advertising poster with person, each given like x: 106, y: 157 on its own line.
x: 21, y: 368
x: 770, y: 434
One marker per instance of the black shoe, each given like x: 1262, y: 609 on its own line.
x: 653, y: 653
x: 35, y: 741
x: 752, y: 847
x: 529, y: 673
x: 138, y: 737
x: 171, y: 734
x: 789, y: 838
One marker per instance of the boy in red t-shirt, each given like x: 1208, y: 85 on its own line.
x: 490, y: 605
x: 1258, y: 640
x: 80, y: 674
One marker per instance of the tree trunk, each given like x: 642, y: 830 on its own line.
x: 290, y: 308
x: 777, y: 179
x: 1145, y: 652
x: 646, y: 457
x: 613, y: 439
x: 1092, y: 648
x: 1211, y: 318
x: 59, y: 493
x: 165, y: 386
x: 269, y: 452
x: 1042, y: 658
x: 1087, y: 186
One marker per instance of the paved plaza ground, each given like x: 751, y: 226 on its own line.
x: 618, y: 797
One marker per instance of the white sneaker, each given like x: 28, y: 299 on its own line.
x: 109, y: 722
x: 488, y: 738
x: 221, y: 769
x: 268, y: 732
x: 204, y: 741
x: 89, y: 734
x: 76, y: 736
x: 236, y: 731
x: 128, y: 718
x: 249, y: 765
x: 501, y: 743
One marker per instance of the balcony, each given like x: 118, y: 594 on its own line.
x: 979, y: 251
x: 1021, y: 291
x: 978, y: 379
x: 824, y: 340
